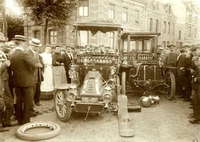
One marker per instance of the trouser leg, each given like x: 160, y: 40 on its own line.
x: 37, y: 93
x: 28, y: 99
x: 19, y: 104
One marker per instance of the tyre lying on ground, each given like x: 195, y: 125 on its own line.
x: 21, y: 133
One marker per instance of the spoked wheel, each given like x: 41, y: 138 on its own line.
x: 62, y: 106
x: 170, y: 81
x: 124, y: 83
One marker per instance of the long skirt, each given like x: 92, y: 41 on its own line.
x: 47, y: 83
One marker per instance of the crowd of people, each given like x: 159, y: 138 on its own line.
x: 186, y: 64
x: 25, y: 72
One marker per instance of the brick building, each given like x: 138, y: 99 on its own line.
x: 133, y: 15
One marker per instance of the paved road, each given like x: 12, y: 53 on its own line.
x: 166, y: 122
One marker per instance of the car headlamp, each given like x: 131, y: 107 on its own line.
x: 107, y: 95
x: 71, y: 96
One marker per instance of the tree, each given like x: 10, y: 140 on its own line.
x: 50, y: 12
x: 14, y: 26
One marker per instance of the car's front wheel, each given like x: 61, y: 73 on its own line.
x: 62, y: 106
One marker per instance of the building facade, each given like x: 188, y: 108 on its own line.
x: 133, y: 15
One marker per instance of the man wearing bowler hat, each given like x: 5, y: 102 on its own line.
x: 23, y: 68
x: 32, y: 50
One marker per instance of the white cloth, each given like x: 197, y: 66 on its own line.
x: 47, y: 84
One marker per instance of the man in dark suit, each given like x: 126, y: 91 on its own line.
x: 181, y: 70
x: 68, y: 60
x: 32, y: 51
x: 23, y: 67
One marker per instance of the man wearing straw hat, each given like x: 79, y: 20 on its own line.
x: 32, y: 51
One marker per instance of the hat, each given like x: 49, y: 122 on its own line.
x: 186, y: 46
x: 182, y: 49
x: 19, y: 37
x: 160, y: 47
x: 195, y: 58
x: 193, y: 48
x: 171, y: 46
x: 35, y: 42
x: 62, y: 49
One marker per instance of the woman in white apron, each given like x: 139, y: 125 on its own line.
x: 47, y: 84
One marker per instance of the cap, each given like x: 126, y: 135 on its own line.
x: 195, y: 58
x: 171, y: 46
x: 193, y: 48
x: 160, y: 47
x: 182, y: 49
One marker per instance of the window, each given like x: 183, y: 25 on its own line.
x: 137, y: 16
x: 196, y: 20
x: 110, y: 39
x: 164, y: 44
x: 169, y: 27
x: 189, y: 32
x: 179, y: 35
x: 165, y: 26
x: 36, y: 34
x: 83, y: 11
x: 157, y: 26
x: 172, y: 28
x: 190, y: 18
x: 52, y: 37
x: 125, y: 14
x: 150, y: 24
x: 84, y: 38
x: 111, y: 11
x: 168, y: 43
x: 195, y: 33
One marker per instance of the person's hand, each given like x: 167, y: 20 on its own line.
x: 39, y: 65
x: 62, y: 64
x: 191, y: 70
x: 7, y: 62
x: 57, y: 63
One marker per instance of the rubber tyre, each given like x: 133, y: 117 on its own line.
x: 170, y: 80
x: 62, y: 106
x: 123, y: 83
x: 56, y: 129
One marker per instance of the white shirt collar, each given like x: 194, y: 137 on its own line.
x: 20, y: 48
x: 32, y: 50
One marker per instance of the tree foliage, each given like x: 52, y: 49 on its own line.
x: 14, y: 26
x: 50, y: 12
x: 53, y: 10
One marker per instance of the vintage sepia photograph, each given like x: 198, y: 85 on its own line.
x: 100, y: 70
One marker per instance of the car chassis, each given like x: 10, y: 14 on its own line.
x: 140, y: 65
x: 94, y: 81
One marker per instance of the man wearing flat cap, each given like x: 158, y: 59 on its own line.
x: 181, y: 69
x: 170, y: 58
x: 23, y: 68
